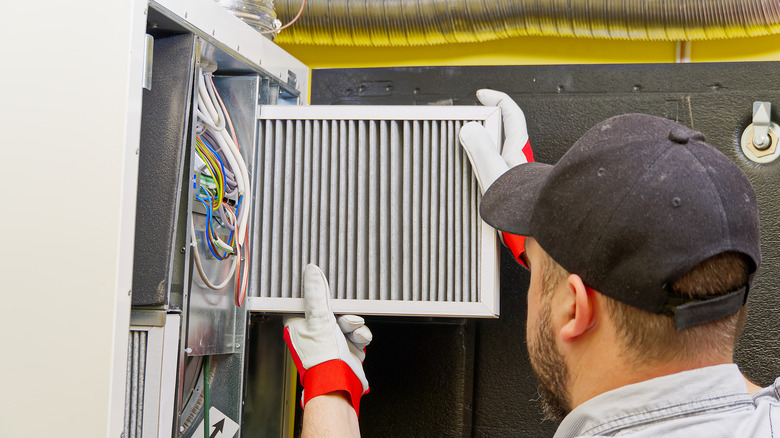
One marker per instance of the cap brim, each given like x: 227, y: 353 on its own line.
x: 508, y: 203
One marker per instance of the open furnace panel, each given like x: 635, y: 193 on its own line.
x: 241, y: 184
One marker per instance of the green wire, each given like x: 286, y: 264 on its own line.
x: 206, y: 396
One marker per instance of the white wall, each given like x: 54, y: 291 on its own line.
x: 70, y: 115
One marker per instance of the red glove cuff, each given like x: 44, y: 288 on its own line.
x: 332, y: 376
x: 516, y: 244
x: 528, y: 152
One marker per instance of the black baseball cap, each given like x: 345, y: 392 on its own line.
x: 636, y: 203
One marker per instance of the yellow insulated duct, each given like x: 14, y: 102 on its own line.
x: 428, y: 22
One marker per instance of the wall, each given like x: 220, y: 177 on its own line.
x: 536, y: 51
x: 70, y: 115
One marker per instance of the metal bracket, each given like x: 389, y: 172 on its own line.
x: 761, y: 115
x: 760, y: 138
x: 148, y: 58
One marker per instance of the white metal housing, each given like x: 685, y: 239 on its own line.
x: 383, y: 199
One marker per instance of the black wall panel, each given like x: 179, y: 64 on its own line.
x: 560, y: 103
x: 160, y: 223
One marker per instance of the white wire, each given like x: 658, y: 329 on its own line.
x: 199, y: 264
x: 214, y: 101
x: 228, y: 217
x: 241, y: 180
x: 208, y: 104
x: 234, y: 157
x: 210, y: 112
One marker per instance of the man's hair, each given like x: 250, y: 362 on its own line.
x: 649, y: 338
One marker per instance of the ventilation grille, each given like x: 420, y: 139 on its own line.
x: 134, y: 386
x: 387, y: 207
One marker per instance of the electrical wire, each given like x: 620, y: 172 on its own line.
x: 233, y: 144
x: 223, y: 187
x: 300, y: 12
x: 199, y: 265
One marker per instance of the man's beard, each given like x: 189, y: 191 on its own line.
x: 550, y: 368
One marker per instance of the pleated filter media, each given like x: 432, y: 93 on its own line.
x: 383, y: 199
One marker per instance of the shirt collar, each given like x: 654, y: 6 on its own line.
x: 656, y: 399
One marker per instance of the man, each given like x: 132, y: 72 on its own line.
x: 642, y: 245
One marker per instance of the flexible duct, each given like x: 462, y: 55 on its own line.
x: 428, y: 22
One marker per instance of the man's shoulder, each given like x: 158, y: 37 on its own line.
x: 769, y: 394
x: 765, y: 421
x: 711, y: 402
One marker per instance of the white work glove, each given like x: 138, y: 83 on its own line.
x: 327, y: 351
x: 486, y: 161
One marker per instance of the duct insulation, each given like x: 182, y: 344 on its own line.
x: 429, y: 22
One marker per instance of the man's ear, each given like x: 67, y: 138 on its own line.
x: 581, y: 317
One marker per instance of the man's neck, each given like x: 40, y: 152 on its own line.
x: 594, y: 375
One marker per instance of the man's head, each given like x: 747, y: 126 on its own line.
x: 642, y: 340
x: 659, y: 223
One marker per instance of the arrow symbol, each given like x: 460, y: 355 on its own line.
x: 218, y: 427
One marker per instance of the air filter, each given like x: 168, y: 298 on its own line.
x: 383, y: 199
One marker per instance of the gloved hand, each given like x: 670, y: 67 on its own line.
x: 327, y: 351
x: 485, y: 159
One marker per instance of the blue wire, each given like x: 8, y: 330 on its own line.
x: 209, y: 231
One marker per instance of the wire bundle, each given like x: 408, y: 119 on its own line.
x: 223, y: 186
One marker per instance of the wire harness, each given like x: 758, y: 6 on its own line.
x: 222, y: 187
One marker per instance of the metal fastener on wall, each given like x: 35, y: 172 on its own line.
x: 760, y: 138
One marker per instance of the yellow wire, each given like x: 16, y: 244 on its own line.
x: 208, y: 157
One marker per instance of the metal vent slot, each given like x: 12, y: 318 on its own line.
x: 386, y: 204
x: 134, y: 386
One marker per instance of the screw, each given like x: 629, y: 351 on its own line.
x: 188, y: 350
x: 761, y: 142
x: 182, y: 250
x: 238, y: 345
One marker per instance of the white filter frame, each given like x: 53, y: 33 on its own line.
x: 487, y: 303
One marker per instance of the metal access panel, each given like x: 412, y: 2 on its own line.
x: 384, y: 200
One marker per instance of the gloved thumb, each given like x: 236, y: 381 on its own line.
x: 515, y: 127
x: 316, y: 293
x: 488, y: 165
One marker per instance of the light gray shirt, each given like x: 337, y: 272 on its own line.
x: 710, y: 402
